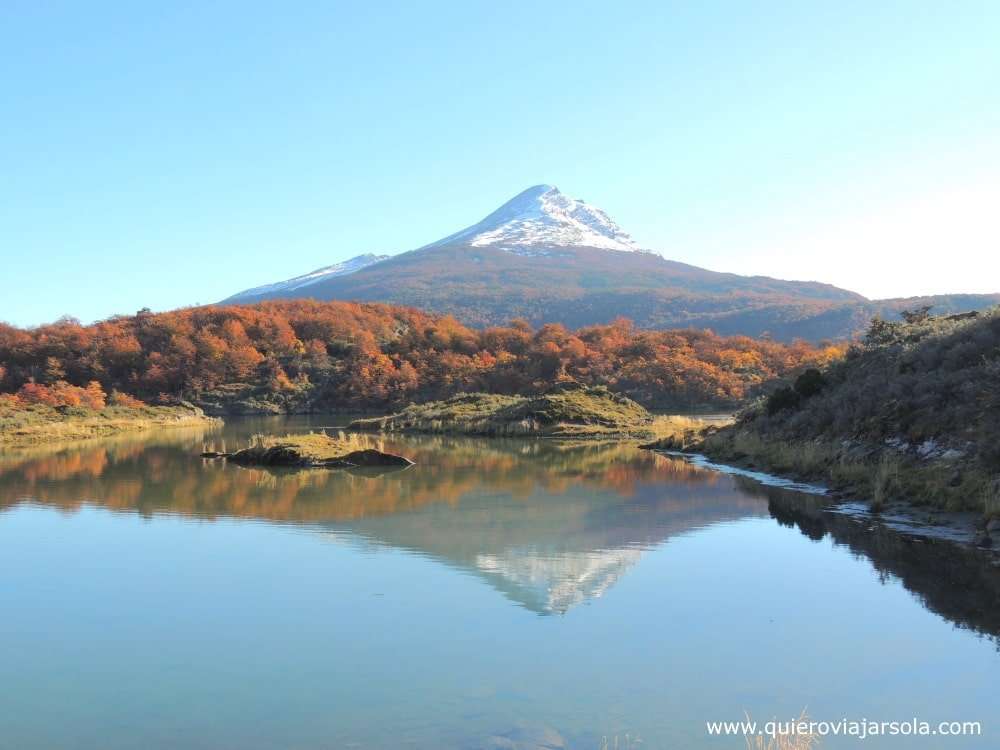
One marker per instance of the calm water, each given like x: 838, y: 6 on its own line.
x: 495, y: 590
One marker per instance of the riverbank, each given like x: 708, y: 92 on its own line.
x: 893, y: 491
x: 26, y: 425
x: 907, y: 425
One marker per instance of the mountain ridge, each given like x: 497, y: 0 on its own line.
x: 298, y: 282
x: 548, y: 258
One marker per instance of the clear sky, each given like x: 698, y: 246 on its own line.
x: 166, y: 154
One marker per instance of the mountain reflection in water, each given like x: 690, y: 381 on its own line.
x: 550, y: 525
x: 495, y: 594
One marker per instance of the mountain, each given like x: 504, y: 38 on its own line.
x: 541, y: 217
x: 320, y: 274
x: 546, y: 257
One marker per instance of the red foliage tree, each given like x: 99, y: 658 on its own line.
x: 349, y: 355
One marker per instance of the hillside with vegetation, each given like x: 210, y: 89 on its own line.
x: 565, y: 410
x: 579, y: 287
x: 911, y: 413
x: 299, y: 356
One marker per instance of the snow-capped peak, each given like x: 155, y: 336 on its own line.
x: 556, y: 581
x: 542, y: 216
x: 320, y: 274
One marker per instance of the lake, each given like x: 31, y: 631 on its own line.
x: 498, y: 594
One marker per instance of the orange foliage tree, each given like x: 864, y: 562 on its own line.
x: 62, y: 393
x: 342, y: 355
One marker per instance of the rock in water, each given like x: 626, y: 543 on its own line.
x: 275, y: 455
x: 371, y: 457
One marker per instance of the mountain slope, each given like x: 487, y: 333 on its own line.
x: 546, y: 257
x: 298, y: 283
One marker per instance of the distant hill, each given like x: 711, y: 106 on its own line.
x: 845, y: 321
x: 545, y: 257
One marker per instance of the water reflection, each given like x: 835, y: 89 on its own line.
x: 956, y: 582
x: 549, y: 525
x: 549, y: 543
x: 447, y: 605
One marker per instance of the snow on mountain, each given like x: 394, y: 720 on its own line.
x: 320, y: 274
x: 535, y: 223
x: 542, y: 216
x: 557, y: 581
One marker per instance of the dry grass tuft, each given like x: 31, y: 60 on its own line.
x: 991, y: 499
x: 319, y: 446
x: 885, y: 481
x: 783, y: 741
x: 678, y: 426
x: 680, y: 433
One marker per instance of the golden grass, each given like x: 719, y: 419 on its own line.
x: 569, y: 412
x: 880, y: 476
x: 21, y: 427
x: 680, y: 433
x: 676, y: 425
x: 319, y: 446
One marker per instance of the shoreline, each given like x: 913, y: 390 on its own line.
x: 37, y: 425
x: 962, y: 528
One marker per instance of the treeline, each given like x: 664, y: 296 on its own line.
x: 302, y: 355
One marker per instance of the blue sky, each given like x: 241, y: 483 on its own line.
x: 166, y: 154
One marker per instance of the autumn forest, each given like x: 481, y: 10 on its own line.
x: 302, y: 355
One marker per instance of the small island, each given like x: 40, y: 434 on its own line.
x: 313, y: 450
x: 566, y: 410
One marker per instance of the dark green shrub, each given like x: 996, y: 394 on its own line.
x: 810, y: 383
x: 781, y: 399
x: 917, y: 315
